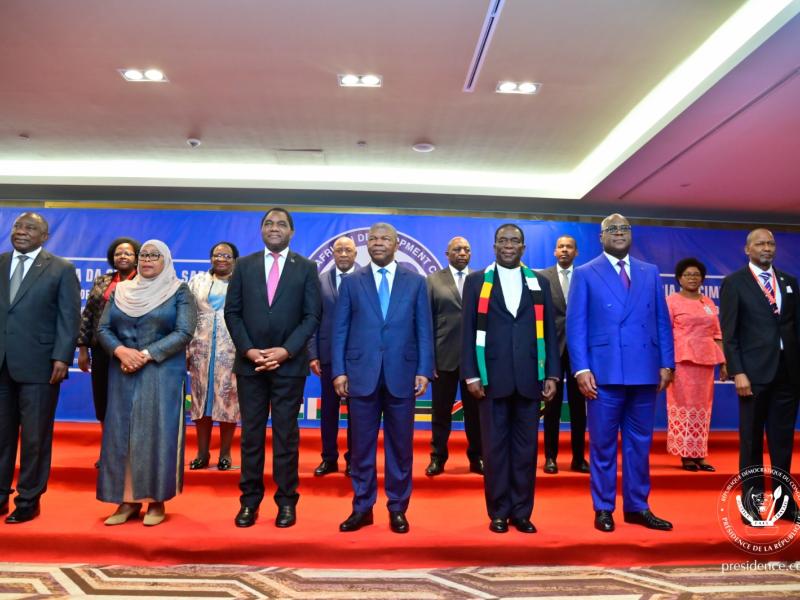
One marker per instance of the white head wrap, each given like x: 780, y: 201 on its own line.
x: 138, y: 296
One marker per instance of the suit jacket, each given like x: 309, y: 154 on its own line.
x: 446, y: 310
x: 751, y: 333
x: 623, y: 337
x: 288, y: 323
x: 511, y: 353
x: 559, y: 304
x: 363, y: 343
x: 42, y: 323
x: 319, y: 346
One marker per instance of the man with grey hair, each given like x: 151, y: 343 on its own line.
x: 40, y: 313
x: 382, y: 350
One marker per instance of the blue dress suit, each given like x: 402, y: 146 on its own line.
x: 510, y: 411
x: 624, y: 337
x: 319, y: 348
x: 381, y: 359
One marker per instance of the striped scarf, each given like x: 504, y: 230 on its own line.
x: 483, y: 317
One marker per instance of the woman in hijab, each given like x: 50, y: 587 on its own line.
x: 145, y: 327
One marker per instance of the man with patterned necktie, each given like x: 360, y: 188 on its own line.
x: 760, y: 318
x: 382, y: 351
x: 621, y: 353
x: 272, y: 309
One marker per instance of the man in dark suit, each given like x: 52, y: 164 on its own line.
x: 510, y: 359
x: 445, y: 288
x: 760, y: 317
x: 620, y: 348
x: 271, y: 310
x: 559, y: 276
x: 319, y: 352
x: 40, y: 305
x: 382, y: 360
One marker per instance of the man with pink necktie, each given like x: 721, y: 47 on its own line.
x: 272, y: 309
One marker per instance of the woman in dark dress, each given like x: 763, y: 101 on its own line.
x: 145, y: 327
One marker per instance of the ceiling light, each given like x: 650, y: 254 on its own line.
x: 351, y: 80
x: 132, y: 74
x: 142, y: 75
x: 512, y: 87
x: 423, y: 147
x: 154, y: 75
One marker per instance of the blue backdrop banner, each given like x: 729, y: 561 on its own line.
x: 83, y: 236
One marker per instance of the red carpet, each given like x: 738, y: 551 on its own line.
x: 447, y: 516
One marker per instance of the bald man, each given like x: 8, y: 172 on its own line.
x: 445, y: 289
x: 760, y: 317
x: 319, y: 352
x: 40, y: 313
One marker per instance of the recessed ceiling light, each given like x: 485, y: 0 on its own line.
x: 352, y: 80
x: 154, y: 75
x: 141, y: 75
x: 512, y: 87
x: 423, y: 147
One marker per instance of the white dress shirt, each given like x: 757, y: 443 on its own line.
x: 339, y: 275
x: 511, y: 284
x: 281, y: 261
x: 614, y: 260
x: 26, y: 266
x: 390, y: 271
x: 455, y: 273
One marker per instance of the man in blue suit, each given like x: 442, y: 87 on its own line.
x: 382, y: 350
x: 319, y: 354
x: 620, y: 346
x: 510, y: 361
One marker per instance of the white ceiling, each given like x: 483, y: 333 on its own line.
x: 254, y: 78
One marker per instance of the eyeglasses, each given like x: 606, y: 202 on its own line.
x: 617, y: 229
x: 124, y: 253
x: 692, y: 275
x: 222, y: 256
x: 149, y: 256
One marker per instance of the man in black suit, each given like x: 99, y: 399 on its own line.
x: 271, y: 310
x: 40, y: 305
x: 760, y: 317
x: 559, y: 276
x: 509, y: 368
x: 445, y: 288
x: 319, y: 352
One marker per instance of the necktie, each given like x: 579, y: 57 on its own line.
x: 383, y: 292
x: 16, y: 277
x: 274, y: 276
x: 565, y: 283
x: 460, y: 283
x: 623, y: 275
x: 339, y: 278
x: 766, y: 280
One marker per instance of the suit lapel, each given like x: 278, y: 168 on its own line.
x: 260, y: 276
x: 450, y: 282
x: 555, y: 284
x: 37, y: 268
x: 367, y: 280
x: 610, y: 276
x: 332, y: 283
x: 398, y: 291
x: 525, y: 299
x: 288, y: 272
x: 785, y: 296
x: 637, y: 285
x: 5, y: 275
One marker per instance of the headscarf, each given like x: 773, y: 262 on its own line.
x: 138, y: 296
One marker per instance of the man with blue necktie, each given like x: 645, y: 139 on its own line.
x: 382, y: 352
x: 621, y: 351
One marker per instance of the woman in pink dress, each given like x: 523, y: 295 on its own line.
x: 698, y: 349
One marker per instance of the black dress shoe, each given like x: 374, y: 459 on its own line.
x: 523, y: 525
x: 325, y: 467
x: 604, y: 520
x: 224, y: 464
x: 199, y: 463
x: 476, y: 466
x: 550, y: 466
x: 580, y: 466
x: 356, y: 521
x: 4, y: 507
x: 398, y: 521
x: 687, y: 464
x: 23, y: 514
x: 704, y: 466
x: 436, y: 467
x: 347, y: 470
x: 287, y: 516
x: 498, y: 525
x: 246, y: 517
x: 648, y: 519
